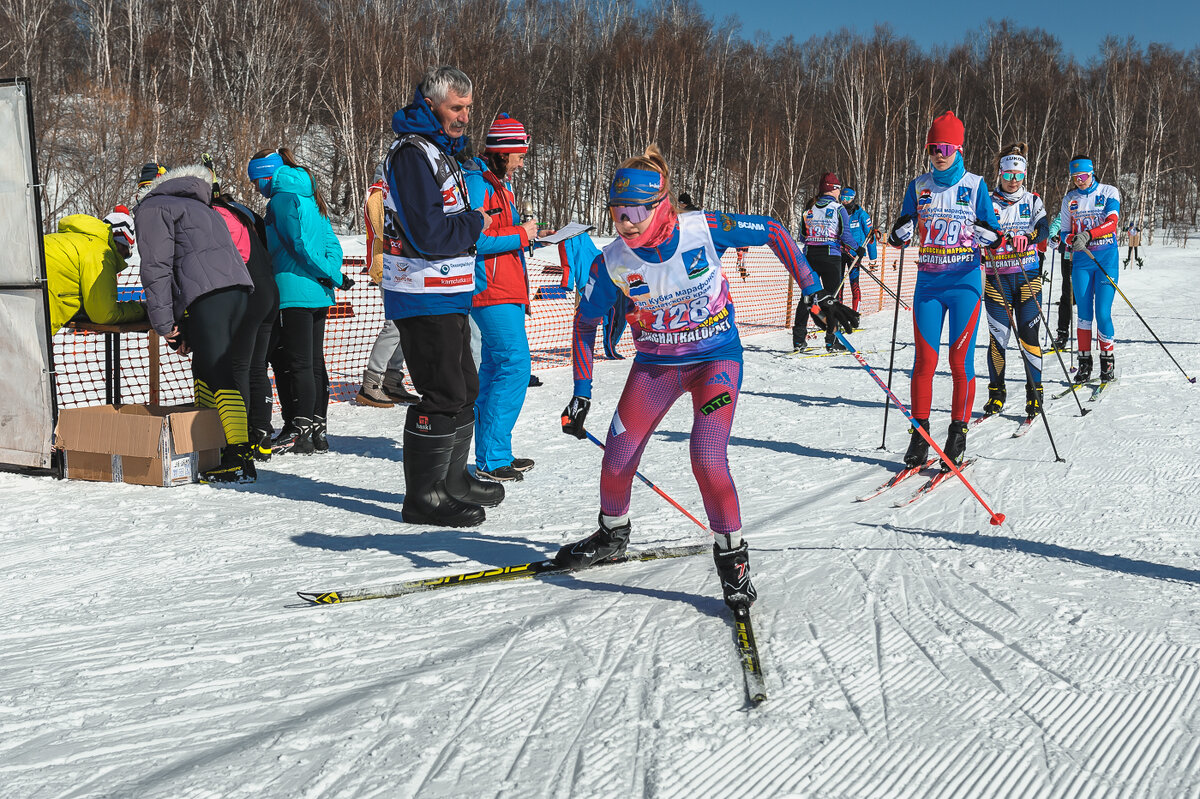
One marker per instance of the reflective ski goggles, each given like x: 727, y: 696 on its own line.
x: 635, y: 214
x: 1013, y: 175
x: 944, y: 150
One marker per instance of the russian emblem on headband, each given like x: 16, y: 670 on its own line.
x: 621, y: 184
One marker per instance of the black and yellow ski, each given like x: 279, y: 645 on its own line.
x: 496, y: 575
x: 743, y: 637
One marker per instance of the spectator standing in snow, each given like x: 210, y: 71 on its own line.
x: 428, y: 281
x: 252, y: 339
x: 950, y: 213
x: 501, y: 300
x: 1135, y: 241
x: 383, y: 380
x: 82, y: 262
x: 197, y: 289
x: 306, y: 258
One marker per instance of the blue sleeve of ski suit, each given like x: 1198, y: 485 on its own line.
x: 846, y: 236
x: 730, y: 231
x: 598, y: 295
x: 868, y: 227
x: 1055, y: 226
x: 985, y: 209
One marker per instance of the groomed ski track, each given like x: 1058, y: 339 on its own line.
x: 153, y: 645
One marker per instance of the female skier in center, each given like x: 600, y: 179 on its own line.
x: 1013, y: 281
x: 669, y: 266
x: 950, y: 211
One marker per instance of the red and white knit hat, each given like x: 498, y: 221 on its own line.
x: 507, y: 135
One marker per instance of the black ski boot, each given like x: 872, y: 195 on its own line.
x: 1084, y: 372
x: 956, y: 444
x: 995, y: 401
x: 428, y: 449
x: 1060, y: 340
x: 319, y: 440
x: 1033, y: 400
x: 261, y: 441
x: 1108, y: 368
x: 733, y: 569
x: 604, y: 544
x: 236, y: 466
x: 295, y: 437
x: 918, y: 447
x: 461, y: 484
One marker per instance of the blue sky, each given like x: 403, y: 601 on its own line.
x: 1079, y: 26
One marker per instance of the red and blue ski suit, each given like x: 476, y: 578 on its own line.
x: 947, y: 206
x: 686, y: 337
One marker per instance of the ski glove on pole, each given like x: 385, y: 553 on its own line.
x: 843, y: 317
x: 1080, y: 240
x: 574, y: 415
x: 902, y: 232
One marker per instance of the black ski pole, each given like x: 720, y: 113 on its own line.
x: 1016, y: 331
x: 892, y: 357
x: 1135, y: 311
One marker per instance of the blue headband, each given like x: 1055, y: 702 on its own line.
x: 264, y: 167
x: 847, y: 194
x: 635, y: 187
x: 1081, y: 165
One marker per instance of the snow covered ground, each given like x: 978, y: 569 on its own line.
x: 154, y: 647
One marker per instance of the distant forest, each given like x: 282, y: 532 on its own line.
x: 746, y: 126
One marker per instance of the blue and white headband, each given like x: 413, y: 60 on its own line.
x: 264, y: 167
x: 635, y: 187
x: 1082, y: 165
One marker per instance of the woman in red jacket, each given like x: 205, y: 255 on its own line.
x: 501, y: 301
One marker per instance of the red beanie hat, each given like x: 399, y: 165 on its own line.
x: 829, y: 181
x: 506, y: 135
x: 946, y: 129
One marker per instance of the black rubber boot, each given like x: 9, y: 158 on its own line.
x: 1084, y: 372
x: 733, y: 568
x: 918, y: 447
x: 604, y: 544
x: 427, y: 455
x: 1108, y: 368
x: 463, y: 485
x: 995, y: 401
x: 956, y: 444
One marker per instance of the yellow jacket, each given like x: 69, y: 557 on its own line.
x: 81, y: 271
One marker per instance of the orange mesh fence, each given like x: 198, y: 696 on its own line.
x: 763, y: 294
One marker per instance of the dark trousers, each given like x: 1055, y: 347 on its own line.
x: 1066, y: 298
x: 829, y: 269
x: 209, y: 328
x: 302, y: 347
x: 438, y: 352
x: 251, y: 343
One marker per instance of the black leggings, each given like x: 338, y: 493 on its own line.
x: 302, y: 347
x: 208, y: 328
x: 251, y: 343
x: 829, y: 269
x: 1066, y: 299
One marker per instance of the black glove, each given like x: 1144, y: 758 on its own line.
x: 345, y: 286
x: 574, y: 415
x: 843, y: 317
x: 902, y: 232
x: 861, y: 252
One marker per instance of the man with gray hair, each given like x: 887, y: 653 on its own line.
x: 429, y: 232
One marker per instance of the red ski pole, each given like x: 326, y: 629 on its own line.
x: 657, y: 490
x: 997, y: 518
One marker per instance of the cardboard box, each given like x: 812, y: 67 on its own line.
x: 139, y: 444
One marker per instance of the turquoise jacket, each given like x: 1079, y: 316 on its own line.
x: 303, y: 246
